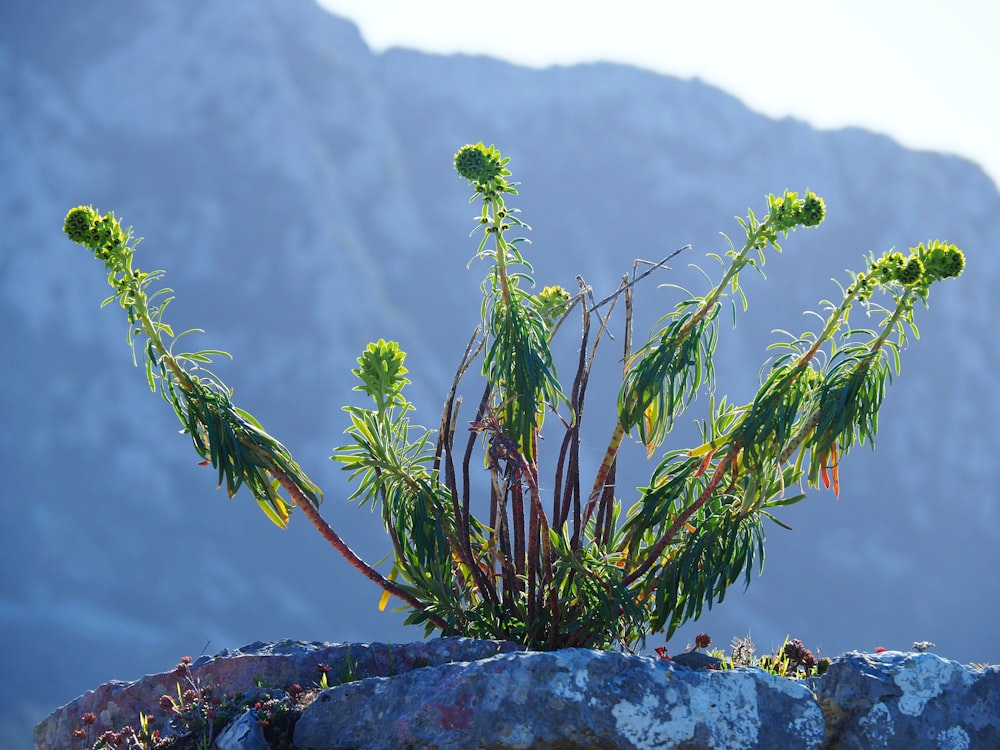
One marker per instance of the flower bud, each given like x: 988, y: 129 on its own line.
x: 910, y: 273
x: 813, y: 210
x: 551, y: 304
x: 478, y: 163
x: 940, y: 260
x: 79, y: 224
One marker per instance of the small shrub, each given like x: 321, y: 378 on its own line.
x: 574, y: 565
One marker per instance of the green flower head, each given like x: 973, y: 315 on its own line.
x: 942, y: 261
x: 106, y: 234
x: 953, y: 262
x: 79, y: 224
x: 478, y: 163
x: 551, y: 303
x: 102, y: 234
x: 381, y: 372
x: 782, y: 210
x: 552, y: 296
x: 863, y: 286
x: 889, y: 267
x: 911, y: 273
x: 813, y: 210
x: 790, y: 211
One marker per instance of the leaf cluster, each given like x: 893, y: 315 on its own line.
x: 227, y: 437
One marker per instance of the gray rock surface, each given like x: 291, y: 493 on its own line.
x: 570, y: 699
x: 909, y: 701
x: 463, y: 693
x: 696, y: 660
x: 243, y: 734
x: 235, y: 671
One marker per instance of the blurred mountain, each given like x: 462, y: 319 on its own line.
x: 299, y: 191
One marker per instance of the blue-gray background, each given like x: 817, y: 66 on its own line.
x: 299, y: 191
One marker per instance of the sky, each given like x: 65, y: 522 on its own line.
x: 925, y: 72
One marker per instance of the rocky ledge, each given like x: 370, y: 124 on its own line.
x: 456, y: 693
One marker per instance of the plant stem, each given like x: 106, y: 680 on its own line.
x: 604, y: 470
x: 832, y: 325
x: 678, y: 524
x: 340, y: 545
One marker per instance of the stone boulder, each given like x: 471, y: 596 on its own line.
x: 237, y: 671
x: 491, y: 695
x: 573, y: 699
x: 244, y: 733
x: 909, y: 701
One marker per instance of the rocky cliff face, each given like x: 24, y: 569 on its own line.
x: 298, y: 189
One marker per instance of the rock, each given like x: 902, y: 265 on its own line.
x: 244, y: 733
x: 232, y: 672
x: 909, y: 701
x: 462, y: 693
x: 573, y: 699
x: 696, y: 660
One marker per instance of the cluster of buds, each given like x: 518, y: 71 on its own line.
x: 381, y: 372
x: 790, y: 211
x: 925, y: 265
x: 940, y: 260
x: 105, y: 236
x: 785, y: 213
x: 893, y: 266
x: 551, y: 304
x: 102, y: 234
x: 484, y: 167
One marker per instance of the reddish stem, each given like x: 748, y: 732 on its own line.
x: 682, y: 519
x: 340, y: 545
x: 604, y: 470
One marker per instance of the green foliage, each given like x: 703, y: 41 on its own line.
x: 571, y: 564
x: 224, y: 435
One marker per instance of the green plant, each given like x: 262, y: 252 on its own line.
x: 323, y: 682
x: 792, y: 660
x: 197, y: 711
x: 349, y: 672
x: 566, y: 566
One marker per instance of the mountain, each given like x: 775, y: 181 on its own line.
x: 299, y: 191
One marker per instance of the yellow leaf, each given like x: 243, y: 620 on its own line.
x: 385, y: 594
x: 701, y: 450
